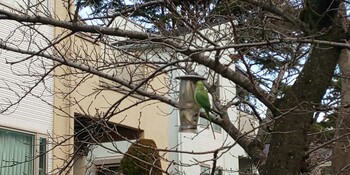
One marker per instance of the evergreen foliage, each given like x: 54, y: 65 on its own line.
x: 141, y: 158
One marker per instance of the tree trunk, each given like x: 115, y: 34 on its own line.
x: 288, y: 143
x: 341, y: 151
x: 289, y: 137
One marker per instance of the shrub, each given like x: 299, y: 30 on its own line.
x: 140, y: 160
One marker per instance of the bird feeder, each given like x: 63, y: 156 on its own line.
x: 188, y: 109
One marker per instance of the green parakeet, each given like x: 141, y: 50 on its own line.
x: 202, y: 100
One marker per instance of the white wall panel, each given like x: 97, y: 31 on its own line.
x: 33, y: 113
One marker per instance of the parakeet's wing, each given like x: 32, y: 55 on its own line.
x: 202, y: 99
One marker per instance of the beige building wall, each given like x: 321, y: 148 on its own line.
x: 75, y: 93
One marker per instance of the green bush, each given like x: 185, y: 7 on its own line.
x: 130, y: 165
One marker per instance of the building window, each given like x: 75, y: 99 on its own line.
x: 216, y: 128
x: 18, y: 153
x: 18, y: 5
x: 218, y: 172
x: 205, y: 170
x: 245, y: 166
x: 31, y: 7
x: 204, y: 123
x: 110, y: 164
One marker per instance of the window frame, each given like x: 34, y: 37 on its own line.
x: 35, y: 147
x: 37, y: 153
x: 106, y: 162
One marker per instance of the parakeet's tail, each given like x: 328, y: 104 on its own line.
x: 212, y: 129
x: 211, y: 125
